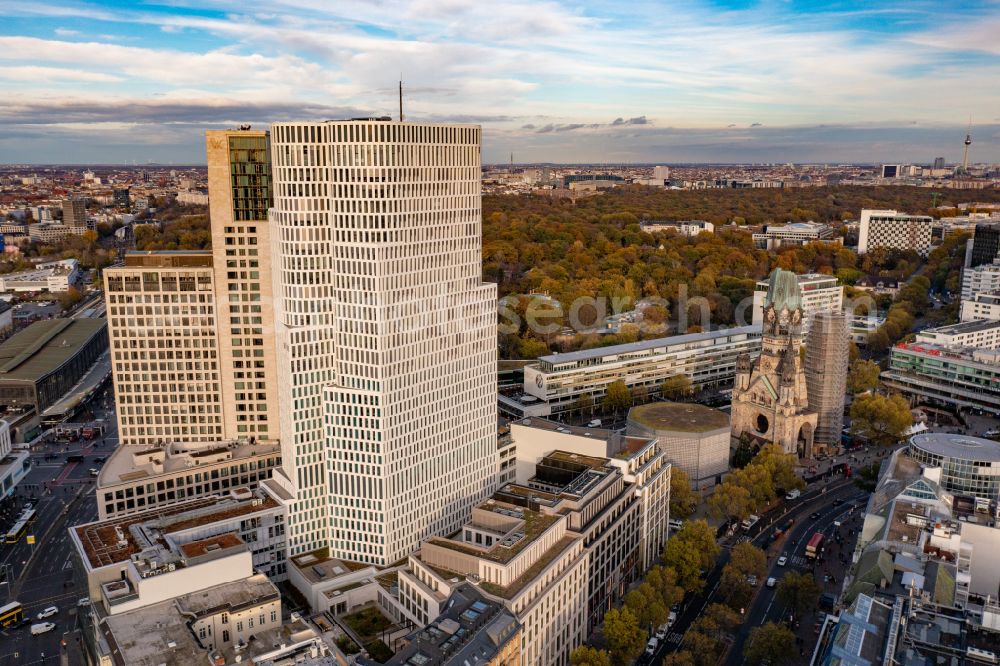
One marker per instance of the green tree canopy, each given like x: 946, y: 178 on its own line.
x: 690, y: 550
x: 676, y: 387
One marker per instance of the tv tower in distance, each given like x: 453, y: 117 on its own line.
x: 968, y: 142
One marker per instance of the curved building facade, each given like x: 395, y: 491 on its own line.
x: 969, y: 465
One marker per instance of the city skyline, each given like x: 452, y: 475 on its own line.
x: 726, y: 81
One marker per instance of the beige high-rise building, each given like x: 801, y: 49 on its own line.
x: 161, y: 310
x: 74, y: 212
x: 211, y: 351
x: 827, y: 352
x: 239, y: 187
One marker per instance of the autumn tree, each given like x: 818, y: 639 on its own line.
x: 862, y: 376
x: 584, y: 655
x: 676, y: 387
x: 617, y: 398
x: 730, y: 501
x: 690, y: 550
x: 770, y: 644
x: 623, y: 635
x: 880, y: 419
x: 648, y: 606
x: 798, y: 591
x: 683, y: 500
x: 679, y: 658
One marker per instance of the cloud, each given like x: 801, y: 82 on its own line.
x: 66, y: 32
x: 755, y: 124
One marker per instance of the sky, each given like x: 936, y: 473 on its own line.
x: 736, y: 81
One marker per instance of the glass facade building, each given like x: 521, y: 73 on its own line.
x: 970, y: 466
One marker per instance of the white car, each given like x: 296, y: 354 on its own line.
x: 48, y: 612
x: 771, y: 582
x: 652, y: 645
x: 42, y: 627
x: 782, y: 561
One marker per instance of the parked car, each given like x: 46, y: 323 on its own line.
x: 771, y: 582
x: 793, y: 494
x: 752, y: 580
x: 42, y: 627
x: 48, y: 612
x: 782, y: 561
x: 652, y: 645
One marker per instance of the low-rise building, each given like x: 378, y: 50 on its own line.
x: 963, y: 378
x: 877, y: 284
x: 41, y: 363
x: 557, y: 381
x: 977, y: 334
x: 683, y: 227
x: 138, y: 479
x: 775, y: 236
x: 820, y: 293
x: 863, y: 325
x: 14, y: 465
x: 692, y: 437
x: 134, y: 561
x: 52, y: 276
x: 52, y: 232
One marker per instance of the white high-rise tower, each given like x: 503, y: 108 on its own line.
x: 386, y: 335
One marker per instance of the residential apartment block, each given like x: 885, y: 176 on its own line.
x: 894, y: 231
x: 982, y: 279
x: 984, y: 305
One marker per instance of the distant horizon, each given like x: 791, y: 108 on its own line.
x: 707, y: 81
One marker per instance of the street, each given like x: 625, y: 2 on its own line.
x: 42, y: 574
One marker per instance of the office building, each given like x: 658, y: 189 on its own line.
x: 121, y: 197
x: 985, y: 245
x: 775, y: 236
x: 162, y: 323
x: 938, y: 162
x: 74, y: 212
x: 890, y: 171
x: 962, y: 378
x: 386, y: 334
x: 770, y: 400
x: 14, y: 465
x: 557, y: 381
x: 818, y: 293
x: 894, y: 231
x: 983, y: 305
x: 977, y: 334
x: 239, y: 182
x: 661, y: 173
x: 981, y: 279
x: 646, y: 468
x: 826, y: 362
x: 692, y: 437
x: 136, y: 479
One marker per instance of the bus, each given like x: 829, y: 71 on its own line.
x: 26, y: 519
x: 815, y: 545
x: 11, y: 615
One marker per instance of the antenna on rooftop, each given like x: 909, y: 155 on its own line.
x: 400, y: 97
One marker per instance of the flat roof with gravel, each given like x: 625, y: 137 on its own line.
x: 679, y: 416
